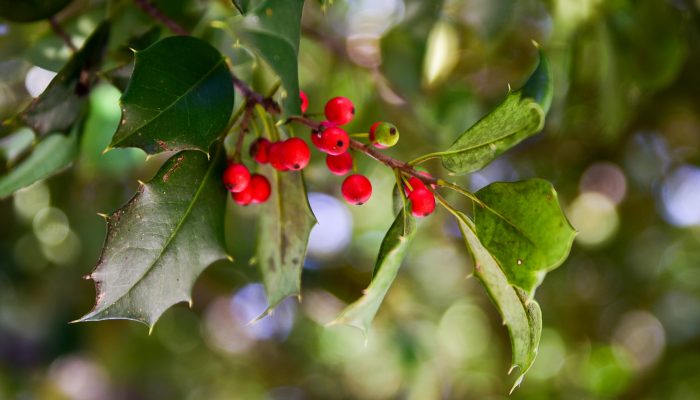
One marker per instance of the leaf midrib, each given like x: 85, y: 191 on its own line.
x: 177, y: 100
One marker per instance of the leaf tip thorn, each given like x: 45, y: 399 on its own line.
x: 103, y: 215
x: 534, y: 43
x: 106, y: 150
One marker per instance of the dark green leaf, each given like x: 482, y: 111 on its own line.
x: 285, y: 224
x: 159, y: 242
x: 521, y: 316
x: 520, y: 116
x: 50, y: 156
x: 391, y: 254
x: 57, y: 109
x: 179, y: 97
x: 30, y: 10
x: 273, y: 29
x: 524, y: 228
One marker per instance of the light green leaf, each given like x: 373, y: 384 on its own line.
x: 30, y: 10
x: 161, y: 240
x: 60, y: 105
x: 51, y: 155
x: 521, y: 316
x: 180, y: 97
x: 524, y: 228
x: 285, y: 224
x: 391, y: 254
x: 273, y: 30
x: 520, y: 116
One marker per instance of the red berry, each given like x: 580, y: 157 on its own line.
x: 334, y: 141
x: 304, y: 101
x: 259, y: 187
x: 243, y: 197
x: 356, y: 189
x: 316, y: 133
x: 422, y: 202
x: 259, y: 151
x: 413, y: 184
x: 236, y: 177
x: 295, y: 154
x: 276, y: 156
x: 340, y: 164
x: 339, y: 110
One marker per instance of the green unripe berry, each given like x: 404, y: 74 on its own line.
x: 383, y: 135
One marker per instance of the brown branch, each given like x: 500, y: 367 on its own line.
x: 60, y: 32
x: 155, y: 13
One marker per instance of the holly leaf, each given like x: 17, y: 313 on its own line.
x: 273, y: 30
x: 180, y: 97
x: 161, y: 240
x: 522, y: 316
x: 520, y: 116
x: 285, y: 222
x: 391, y: 254
x: 51, y: 155
x: 30, y: 10
x: 524, y: 228
x: 60, y: 105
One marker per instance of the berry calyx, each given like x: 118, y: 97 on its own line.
x: 334, y: 141
x: 295, y: 154
x: 236, y: 177
x: 304, y: 101
x: 339, y: 110
x: 422, y: 202
x: 259, y: 188
x: 243, y: 197
x: 340, y: 164
x: 259, y: 151
x: 383, y: 135
x: 356, y: 189
x: 276, y: 156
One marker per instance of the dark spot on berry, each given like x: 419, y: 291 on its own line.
x: 392, y: 131
x: 339, y: 143
x: 360, y: 203
x: 296, y: 166
x: 353, y: 111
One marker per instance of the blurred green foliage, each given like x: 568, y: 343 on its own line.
x: 621, y: 316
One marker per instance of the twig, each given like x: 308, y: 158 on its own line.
x: 154, y: 12
x: 58, y: 30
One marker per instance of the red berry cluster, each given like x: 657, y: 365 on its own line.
x: 244, y: 187
x: 293, y: 154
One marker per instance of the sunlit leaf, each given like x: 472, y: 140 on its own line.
x: 521, y: 316
x: 52, y: 154
x: 285, y: 224
x: 179, y: 97
x: 273, y: 30
x: 161, y: 240
x: 59, y: 106
x: 520, y: 116
x: 524, y: 228
x: 30, y: 10
x: 391, y: 254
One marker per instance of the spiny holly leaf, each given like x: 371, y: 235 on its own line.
x: 520, y: 116
x: 391, y: 254
x: 524, y: 228
x: 30, y: 10
x: 179, y: 97
x: 273, y: 30
x: 51, y: 155
x: 60, y: 105
x: 285, y: 224
x: 159, y: 242
x: 522, y: 317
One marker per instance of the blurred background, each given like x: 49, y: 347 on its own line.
x: 621, y: 145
